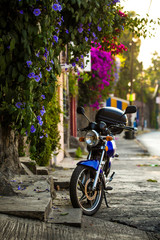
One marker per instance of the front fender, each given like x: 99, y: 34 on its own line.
x: 90, y: 163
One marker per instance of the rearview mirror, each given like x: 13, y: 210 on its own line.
x: 80, y: 110
x: 131, y: 109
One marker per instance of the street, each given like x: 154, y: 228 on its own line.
x: 151, y: 141
x: 133, y: 212
x: 134, y: 200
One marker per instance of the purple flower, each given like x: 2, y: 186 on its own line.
x: 33, y: 129
x: 52, y: 62
x: 31, y: 75
x: 77, y: 59
x: 43, y: 96
x: 42, y: 112
x: 99, y: 28
x: 115, y: 1
x: 55, y: 38
x: 29, y: 63
x: 37, y: 12
x: 40, y: 123
x: 55, y: 7
x: 67, y: 31
x: 73, y: 64
x: 21, y: 11
x: 40, y: 75
x: 59, y: 8
x: 37, y: 78
x: 37, y: 54
x: 94, y: 35
x: 57, y: 30
x: 39, y: 118
x: 49, y: 69
x: 80, y: 30
x: 81, y: 56
x: 41, y: 137
x: 86, y: 38
x: 18, y: 104
x: 46, y: 135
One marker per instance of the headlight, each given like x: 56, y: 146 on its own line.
x: 92, y: 138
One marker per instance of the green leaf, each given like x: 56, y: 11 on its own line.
x: 14, y: 73
x: 79, y: 3
x: 24, y: 33
x: 23, y: 130
x: 2, y: 63
x: 12, y: 43
x: 21, y: 78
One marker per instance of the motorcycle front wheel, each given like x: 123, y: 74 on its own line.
x: 81, y: 193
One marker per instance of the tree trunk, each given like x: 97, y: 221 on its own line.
x: 9, y: 160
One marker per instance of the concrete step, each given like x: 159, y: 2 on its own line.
x: 30, y: 207
x: 26, y: 170
x: 30, y: 164
x: 65, y: 215
x: 62, y: 211
x: 34, y: 197
x: 42, y: 170
x: 30, y: 167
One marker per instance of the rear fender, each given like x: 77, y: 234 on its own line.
x: 90, y: 163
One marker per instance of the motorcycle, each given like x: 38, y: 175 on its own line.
x: 90, y: 179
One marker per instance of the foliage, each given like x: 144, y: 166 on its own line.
x: 125, y: 72
x: 42, y: 145
x: 73, y: 85
x: 79, y: 152
x: 151, y: 88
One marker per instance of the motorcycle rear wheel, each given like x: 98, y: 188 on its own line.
x: 81, y: 193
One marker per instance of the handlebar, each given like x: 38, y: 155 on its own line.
x: 111, y: 126
x: 83, y: 129
x: 124, y: 127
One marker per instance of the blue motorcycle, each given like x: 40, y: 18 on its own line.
x: 90, y: 179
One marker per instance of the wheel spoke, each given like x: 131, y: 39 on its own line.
x: 81, y: 186
x: 83, y: 197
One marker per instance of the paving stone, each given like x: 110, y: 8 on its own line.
x: 30, y: 164
x: 66, y: 215
x: 26, y: 207
x: 42, y: 170
x: 34, y: 200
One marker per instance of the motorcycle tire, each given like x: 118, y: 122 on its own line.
x: 81, y: 193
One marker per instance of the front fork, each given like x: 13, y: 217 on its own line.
x: 98, y: 171
x: 106, y: 180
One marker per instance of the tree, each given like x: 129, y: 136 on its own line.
x: 152, y: 76
x: 130, y: 61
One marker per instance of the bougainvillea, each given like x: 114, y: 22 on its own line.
x: 101, y: 65
x: 104, y: 70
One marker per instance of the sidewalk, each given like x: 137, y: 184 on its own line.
x: 134, y: 203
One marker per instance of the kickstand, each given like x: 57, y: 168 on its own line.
x: 105, y: 198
